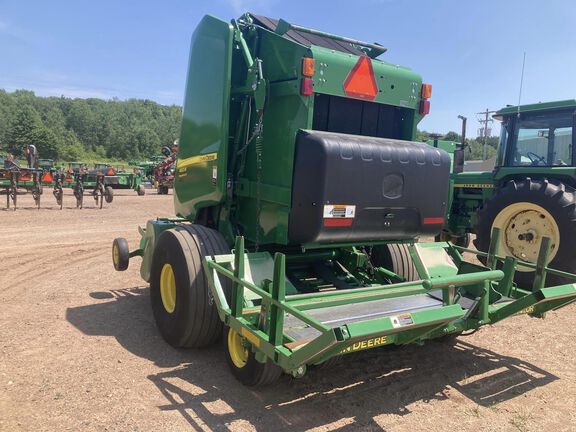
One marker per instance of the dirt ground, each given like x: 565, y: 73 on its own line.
x: 79, y: 351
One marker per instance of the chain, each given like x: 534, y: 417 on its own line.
x: 258, y: 146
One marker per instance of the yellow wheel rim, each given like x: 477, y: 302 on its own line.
x: 238, y: 352
x: 115, y: 254
x: 168, y: 288
x: 522, y: 227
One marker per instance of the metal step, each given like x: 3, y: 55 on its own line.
x: 336, y: 316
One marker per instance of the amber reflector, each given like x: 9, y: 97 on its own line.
x: 426, y: 91
x: 308, y: 66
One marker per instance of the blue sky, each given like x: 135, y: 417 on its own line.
x: 471, y: 52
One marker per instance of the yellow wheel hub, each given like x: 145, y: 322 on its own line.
x: 115, y: 254
x: 168, y: 288
x: 238, y: 352
x: 522, y: 226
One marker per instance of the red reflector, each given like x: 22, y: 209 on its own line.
x: 337, y: 222
x: 47, y: 178
x: 307, y: 87
x: 424, y: 107
x: 433, y: 221
x: 360, y: 82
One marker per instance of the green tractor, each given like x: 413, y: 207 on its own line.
x: 300, y: 195
x: 529, y: 195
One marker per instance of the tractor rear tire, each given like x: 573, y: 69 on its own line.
x: 108, y: 194
x: 120, y: 254
x: 243, y: 363
x: 540, y: 208
x: 395, y: 257
x: 182, y: 302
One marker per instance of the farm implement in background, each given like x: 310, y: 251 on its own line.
x: 16, y: 180
x: 122, y: 179
x: 164, y: 171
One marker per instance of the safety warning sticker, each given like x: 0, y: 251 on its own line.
x: 402, y: 320
x: 339, y: 211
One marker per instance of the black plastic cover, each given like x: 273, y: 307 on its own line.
x: 349, y: 188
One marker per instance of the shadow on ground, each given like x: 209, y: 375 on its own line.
x: 354, y: 391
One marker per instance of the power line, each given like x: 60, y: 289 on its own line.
x: 485, y: 131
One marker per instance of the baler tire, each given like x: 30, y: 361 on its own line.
x: 120, y: 254
x: 558, y: 201
x: 140, y: 190
x: 252, y: 373
x: 193, y: 321
x: 108, y: 194
x: 395, y: 257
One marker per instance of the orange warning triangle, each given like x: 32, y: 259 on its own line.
x: 360, y: 82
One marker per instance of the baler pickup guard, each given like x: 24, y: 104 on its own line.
x: 295, y: 331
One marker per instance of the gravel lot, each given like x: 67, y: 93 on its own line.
x: 79, y: 351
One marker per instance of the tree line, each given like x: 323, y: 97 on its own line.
x: 68, y: 129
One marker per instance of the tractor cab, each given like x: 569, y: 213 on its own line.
x: 530, y: 194
x: 537, y: 136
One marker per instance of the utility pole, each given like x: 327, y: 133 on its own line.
x: 485, y: 131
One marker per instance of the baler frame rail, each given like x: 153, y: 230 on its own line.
x: 540, y: 266
x: 263, y: 326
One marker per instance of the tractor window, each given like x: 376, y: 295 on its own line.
x: 542, y: 140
